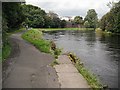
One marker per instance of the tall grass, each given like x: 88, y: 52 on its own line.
x: 6, y: 50
x: 34, y: 36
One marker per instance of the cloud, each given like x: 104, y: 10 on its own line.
x: 72, y: 7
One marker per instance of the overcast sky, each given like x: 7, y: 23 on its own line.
x: 72, y: 7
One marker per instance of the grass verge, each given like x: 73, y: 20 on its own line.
x: 91, y: 79
x: 34, y: 36
x: 53, y: 29
x: 6, y: 50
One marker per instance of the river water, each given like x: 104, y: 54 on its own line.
x: 99, y: 53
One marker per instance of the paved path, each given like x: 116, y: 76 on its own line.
x: 68, y: 75
x: 28, y: 68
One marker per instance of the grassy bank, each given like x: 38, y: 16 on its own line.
x: 100, y: 31
x: 91, y: 79
x: 6, y: 50
x: 34, y: 36
x: 53, y: 29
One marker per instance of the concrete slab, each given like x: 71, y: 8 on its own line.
x: 64, y: 59
x: 66, y: 68
x: 72, y: 80
x: 68, y: 75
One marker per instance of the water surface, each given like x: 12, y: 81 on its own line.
x: 99, y: 53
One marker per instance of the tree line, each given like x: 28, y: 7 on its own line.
x: 111, y: 21
x: 38, y: 18
x: 16, y: 15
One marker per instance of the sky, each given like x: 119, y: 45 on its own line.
x: 72, y: 7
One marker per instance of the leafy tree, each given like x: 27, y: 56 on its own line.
x: 111, y: 20
x: 78, y: 20
x: 116, y: 14
x: 35, y: 16
x: 48, y: 22
x: 63, y: 23
x: 4, y: 30
x: 55, y: 19
x: 92, y: 18
x: 86, y: 24
x: 13, y: 14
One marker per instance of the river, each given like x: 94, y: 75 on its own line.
x: 99, y: 53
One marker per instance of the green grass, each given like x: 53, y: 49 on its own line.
x: 57, y: 52
x: 53, y: 29
x: 91, y: 78
x: 6, y: 50
x: 34, y: 36
x: 0, y: 56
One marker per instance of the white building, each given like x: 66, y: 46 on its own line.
x: 67, y: 18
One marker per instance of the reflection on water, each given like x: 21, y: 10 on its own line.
x: 99, y: 53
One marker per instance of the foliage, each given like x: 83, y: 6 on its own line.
x: 55, y: 20
x: 57, y: 52
x: 86, y: 24
x: 78, y: 20
x: 12, y: 18
x: 38, y: 18
x: 55, y: 62
x: 13, y: 14
x: 35, y: 38
x: 63, y: 23
x: 4, y: 30
x: 6, y: 50
x: 91, y: 18
x: 111, y: 21
x: 34, y: 16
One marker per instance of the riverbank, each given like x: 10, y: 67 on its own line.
x: 98, y: 52
x: 34, y: 35
x: 91, y: 78
x: 55, y: 29
x: 98, y: 30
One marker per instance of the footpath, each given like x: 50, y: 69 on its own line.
x: 68, y: 75
x: 27, y: 67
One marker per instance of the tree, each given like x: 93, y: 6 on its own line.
x: 48, y: 22
x: 13, y: 14
x: 111, y: 21
x: 4, y: 29
x: 35, y: 16
x: 86, y: 24
x: 55, y: 19
x: 92, y: 18
x: 63, y: 23
x: 116, y: 14
x: 79, y: 21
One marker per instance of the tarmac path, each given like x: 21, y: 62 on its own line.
x: 27, y: 67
